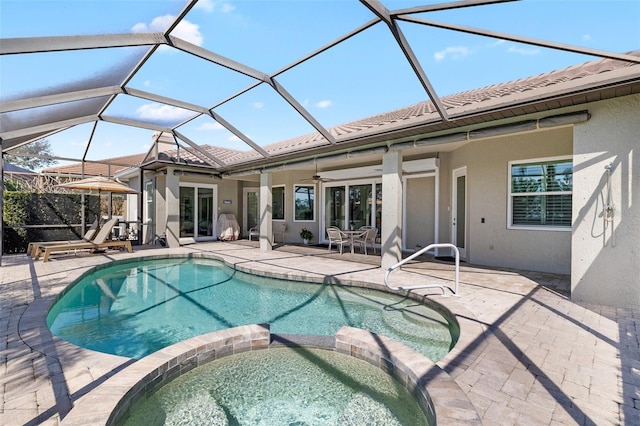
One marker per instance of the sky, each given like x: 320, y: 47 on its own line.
x: 363, y: 76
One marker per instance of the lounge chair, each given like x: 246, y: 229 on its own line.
x: 34, y: 247
x: 101, y: 241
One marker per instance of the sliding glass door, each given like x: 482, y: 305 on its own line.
x: 197, y: 212
x: 349, y: 206
x: 187, y: 212
x: 334, y: 206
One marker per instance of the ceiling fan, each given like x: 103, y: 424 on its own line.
x: 316, y: 178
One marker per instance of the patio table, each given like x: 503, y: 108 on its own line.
x: 352, y: 234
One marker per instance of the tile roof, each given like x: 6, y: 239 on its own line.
x: 114, y: 165
x: 502, y: 95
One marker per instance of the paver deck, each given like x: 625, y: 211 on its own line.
x: 527, y: 353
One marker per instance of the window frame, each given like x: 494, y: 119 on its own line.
x: 314, y: 208
x: 284, y: 205
x: 511, y: 194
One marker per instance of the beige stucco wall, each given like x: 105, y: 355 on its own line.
x: 160, y: 205
x: 491, y: 243
x: 606, y: 266
x: 419, y: 211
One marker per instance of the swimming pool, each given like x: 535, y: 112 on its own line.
x: 133, y: 309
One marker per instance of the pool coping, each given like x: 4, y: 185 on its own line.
x: 110, y: 402
x: 32, y: 323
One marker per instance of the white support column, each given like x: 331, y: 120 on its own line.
x: 172, y: 200
x: 391, y: 232
x: 266, y: 200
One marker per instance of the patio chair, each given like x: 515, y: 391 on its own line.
x: 368, y: 236
x: 280, y: 230
x: 254, y: 231
x: 34, y: 247
x: 337, y: 237
x: 101, y: 241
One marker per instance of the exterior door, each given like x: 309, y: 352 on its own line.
x: 197, y: 213
x: 251, y: 210
x: 459, y: 211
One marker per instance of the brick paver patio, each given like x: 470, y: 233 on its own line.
x: 527, y: 353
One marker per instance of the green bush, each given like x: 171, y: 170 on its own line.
x: 28, y: 208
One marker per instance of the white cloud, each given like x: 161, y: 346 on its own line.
x: 586, y: 37
x: 233, y: 138
x: 211, y: 5
x: 206, y: 5
x: 258, y: 105
x: 324, y: 104
x: 455, y: 52
x: 227, y: 7
x: 185, y: 30
x: 211, y: 126
x: 523, y: 51
x: 189, y: 32
x: 147, y: 83
x: 162, y: 112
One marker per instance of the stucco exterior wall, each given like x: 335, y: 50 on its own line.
x: 419, y: 212
x: 160, y: 204
x: 606, y: 259
x: 491, y: 243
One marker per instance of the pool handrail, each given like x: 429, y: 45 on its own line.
x: 418, y: 253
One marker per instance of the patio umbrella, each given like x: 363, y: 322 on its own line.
x: 100, y: 184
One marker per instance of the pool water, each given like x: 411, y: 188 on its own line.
x: 134, y: 309
x: 283, y: 386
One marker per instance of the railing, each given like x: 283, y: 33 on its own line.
x: 418, y: 253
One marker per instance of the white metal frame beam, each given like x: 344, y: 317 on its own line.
x: 13, y: 46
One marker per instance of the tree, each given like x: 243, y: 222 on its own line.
x: 22, y: 156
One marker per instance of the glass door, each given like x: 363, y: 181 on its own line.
x: 205, y: 212
x: 362, y: 208
x: 360, y: 203
x: 187, y: 212
x: 251, y: 211
x: 197, y: 213
x: 335, y: 206
x: 459, y: 210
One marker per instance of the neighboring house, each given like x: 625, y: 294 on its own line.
x: 537, y: 174
x: 23, y: 178
x: 107, y: 167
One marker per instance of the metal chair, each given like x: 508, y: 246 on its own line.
x: 280, y: 230
x: 254, y: 231
x: 337, y: 237
x: 368, y: 236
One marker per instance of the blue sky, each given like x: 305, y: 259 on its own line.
x: 363, y: 76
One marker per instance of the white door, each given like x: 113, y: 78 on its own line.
x: 459, y: 211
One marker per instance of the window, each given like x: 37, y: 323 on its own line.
x: 540, y: 193
x: 304, y: 203
x: 277, y: 194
